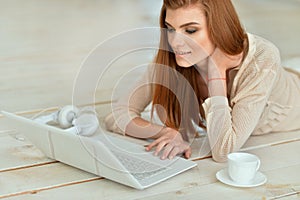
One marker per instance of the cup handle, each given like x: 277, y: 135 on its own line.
x: 258, y: 165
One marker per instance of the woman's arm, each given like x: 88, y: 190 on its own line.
x: 131, y: 105
x: 141, y: 128
x: 171, y: 139
x: 229, y: 128
x: 125, y: 118
x: 167, y: 140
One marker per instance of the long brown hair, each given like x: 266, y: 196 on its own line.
x: 225, y: 32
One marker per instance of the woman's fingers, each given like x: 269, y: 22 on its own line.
x: 160, y: 143
x: 154, y: 143
x: 167, y: 151
x: 176, y: 150
x: 188, y: 153
x: 160, y: 146
x: 180, y: 149
x: 171, y: 144
x: 171, y: 151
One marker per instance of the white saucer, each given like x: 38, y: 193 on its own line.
x: 258, y: 180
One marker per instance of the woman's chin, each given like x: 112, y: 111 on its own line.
x: 189, y: 63
x: 184, y: 64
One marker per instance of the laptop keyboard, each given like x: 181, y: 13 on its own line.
x: 140, y: 169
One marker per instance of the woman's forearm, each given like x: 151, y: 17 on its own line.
x: 141, y: 128
x: 216, y: 81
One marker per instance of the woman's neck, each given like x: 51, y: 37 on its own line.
x: 202, y: 68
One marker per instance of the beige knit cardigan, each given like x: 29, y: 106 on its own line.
x: 263, y: 98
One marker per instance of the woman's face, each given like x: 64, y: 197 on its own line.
x: 188, y: 35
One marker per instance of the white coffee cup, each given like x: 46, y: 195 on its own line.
x: 242, y: 167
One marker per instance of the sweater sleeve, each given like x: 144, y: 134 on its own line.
x: 130, y: 105
x: 228, y: 127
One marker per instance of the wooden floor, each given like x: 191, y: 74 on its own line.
x: 45, y: 47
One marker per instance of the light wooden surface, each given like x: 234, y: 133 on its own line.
x: 27, y: 174
x: 43, y: 47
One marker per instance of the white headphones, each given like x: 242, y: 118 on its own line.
x: 77, y: 121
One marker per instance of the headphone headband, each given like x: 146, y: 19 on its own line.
x: 82, y: 121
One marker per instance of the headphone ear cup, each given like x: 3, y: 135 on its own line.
x: 66, y: 116
x: 86, y: 124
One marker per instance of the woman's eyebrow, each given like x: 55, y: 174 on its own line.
x: 183, y: 25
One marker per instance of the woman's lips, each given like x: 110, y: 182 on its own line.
x: 182, y: 53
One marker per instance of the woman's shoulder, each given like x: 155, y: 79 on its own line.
x: 263, y: 57
x: 262, y: 52
x: 263, y: 47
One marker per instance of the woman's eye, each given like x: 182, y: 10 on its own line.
x: 191, y: 31
x: 171, y: 30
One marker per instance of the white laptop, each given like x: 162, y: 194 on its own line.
x: 104, y: 155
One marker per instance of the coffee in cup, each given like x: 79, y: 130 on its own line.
x: 242, y: 167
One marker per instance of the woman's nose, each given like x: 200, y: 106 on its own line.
x: 176, y: 39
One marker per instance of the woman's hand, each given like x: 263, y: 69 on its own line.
x: 173, y: 144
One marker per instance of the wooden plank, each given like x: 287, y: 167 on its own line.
x: 43, y: 70
x: 278, y: 156
x: 280, y: 184
x: 16, y: 153
x: 271, y: 139
x: 283, y: 182
x: 106, y: 189
x: 256, y: 17
x: 277, y: 161
x: 40, y: 90
x: 289, y: 197
x: 254, y: 142
x: 18, y: 182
